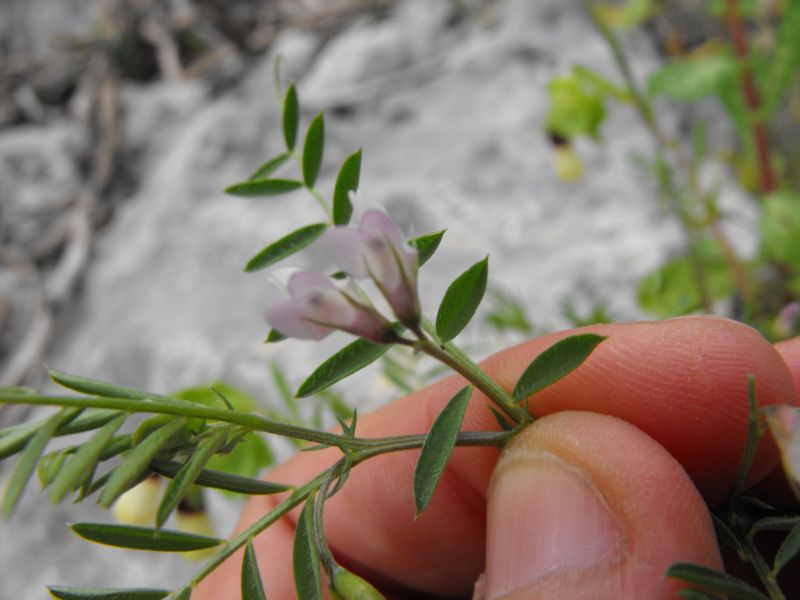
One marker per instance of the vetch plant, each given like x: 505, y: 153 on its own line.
x: 190, y: 437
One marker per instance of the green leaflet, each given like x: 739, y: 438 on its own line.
x: 693, y: 78
x: 558, y: 361
x: 263, y: 187
x: 346, y: 182
x: 717, y: 581
x: 138, y: 460
x: 788, y: 549
x: 76, y: 470
x: 427, y: 245
x: 27, y: 463
x: 179, y: 486
x: 269, y: 167
x: 461, y: 300
x: 286, y: 246
x: 143, y: 538
x: 313, y: 148
x: 220, y: 480
x: 252, y: 587
x: 305, y: 560
x: 291, y: 116
x: 353, y: 357
x: 65, y: 593
x: 437, y: 448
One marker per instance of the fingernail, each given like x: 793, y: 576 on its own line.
x: 544, y: 516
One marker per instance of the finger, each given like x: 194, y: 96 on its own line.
x: 775, y: 489
x: 583, y: 505
x: 683, y: 382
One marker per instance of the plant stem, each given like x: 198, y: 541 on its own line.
x: 323, y: 203
x: 752, y: 98
x: 762, y: 570
x: 460, y: 363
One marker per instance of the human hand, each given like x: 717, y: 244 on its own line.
x: 594, y: 500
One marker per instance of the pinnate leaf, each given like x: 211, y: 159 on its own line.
x: 461, y: 300
x: 221, y: 480
x: 437, y: 448
x: 286, y: 246
x: 558, y: 361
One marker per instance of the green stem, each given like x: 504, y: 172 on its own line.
x: 188, y: 409
x: 451, y: 355
x: 394, y: 444
x: 323, y: 203
x: 299, y: 495
x: 762, y: 570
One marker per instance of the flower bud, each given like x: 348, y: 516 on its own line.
x: 317, y: 308
x: 139, y: 504
x: 352, y: 587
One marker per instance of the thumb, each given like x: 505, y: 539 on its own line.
x: 583, y: 505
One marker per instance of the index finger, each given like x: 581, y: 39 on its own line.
x: 683, y: 382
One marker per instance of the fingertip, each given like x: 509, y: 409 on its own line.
x: 583, y: 505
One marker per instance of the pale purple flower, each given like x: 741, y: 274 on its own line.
x: 377, y: 250
x: 317, y: 307
x: 784, y: 422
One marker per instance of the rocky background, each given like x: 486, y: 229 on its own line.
x: 121, y: 259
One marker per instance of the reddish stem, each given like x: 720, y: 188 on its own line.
x: 751, y: 96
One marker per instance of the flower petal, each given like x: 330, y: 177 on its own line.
x: 304, y: 284
x: 345, y: 247
x: 376, y: 223
x: 292, y: 320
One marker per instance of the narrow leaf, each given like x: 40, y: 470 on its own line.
x: 263, y: 187
x: 696, y: 595
x: 461, y: 300
x: 65, y: 593
x: 27, y: 463
x: 346, y: 182
x: 353, y: 357
x: 291, y: 117
x: 312, y: 150
x: 143, y: 538
x: 788, y: 550
x: 137, y: 461
x: 83, y: 463
x: 221, y: 480
x: 426, y: 245
x: 252, y: 587
x: 88, y: 421
x: 558, y: 361
x: 178, y: 487
x: 286, y: 246
x: 714, y: 580
x: 13, y: 439
x: 269, y: 167
x: 95, y: 387
x: 437, y: 448
x: 307, y: 576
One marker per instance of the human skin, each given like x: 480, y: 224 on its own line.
x: 653, y: 423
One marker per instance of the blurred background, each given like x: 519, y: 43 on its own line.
x: 121, y: 122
